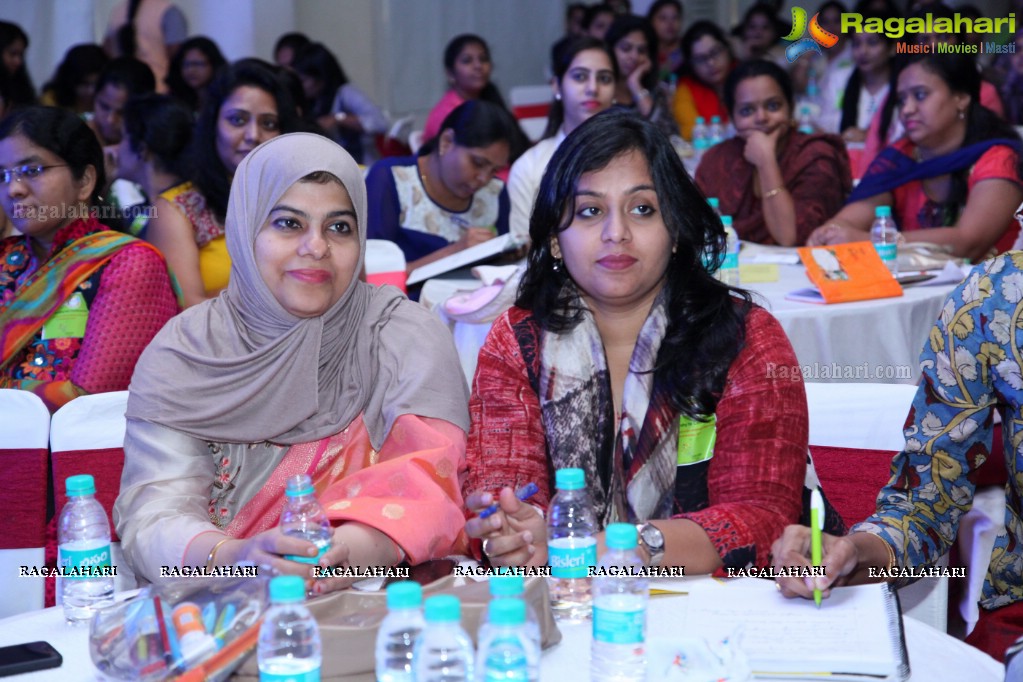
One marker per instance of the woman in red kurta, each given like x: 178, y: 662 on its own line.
x: 621, y: 344
x: 78, y: 302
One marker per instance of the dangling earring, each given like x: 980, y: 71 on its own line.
x: 557, y: 96
x: 674, y: 248
x: 556, y: 265
x: 962, y: 115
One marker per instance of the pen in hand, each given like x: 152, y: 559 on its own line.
x: 523, y: 493
x: 816, y: 526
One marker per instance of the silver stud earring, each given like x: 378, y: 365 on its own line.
x: 556, y: 265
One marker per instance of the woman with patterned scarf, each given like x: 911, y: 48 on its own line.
x: 621, y: 341
x: 78, y: 301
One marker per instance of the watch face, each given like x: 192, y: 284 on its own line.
x: 652, y: 537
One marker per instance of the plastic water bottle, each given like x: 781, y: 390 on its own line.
x: 885, y: 235
x: 715, y: 204
x: 507, y: 652
x: 443, y: 651
x: 398, y: 631
x: 716, y: 131
x: 303, y: 517
x: 571, y: 545
x: 729, y: 272
x: 619, y: 612
x: 809, y: 108
x: 701, y: 141
x: 83, y: 535
x: 513, y: 588
x: 289, y: 639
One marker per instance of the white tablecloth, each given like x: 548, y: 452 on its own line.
x: 934, y: 656
x: 875, y: 341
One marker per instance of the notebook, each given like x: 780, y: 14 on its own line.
x: 857, y: 633
x: 845, y: 272
x: 484, y: 251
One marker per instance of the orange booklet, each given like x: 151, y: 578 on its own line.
x: 845, y: 272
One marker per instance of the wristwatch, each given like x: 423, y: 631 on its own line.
x: 652, y: 539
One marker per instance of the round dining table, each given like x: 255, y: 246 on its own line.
x: 875, y: 341
x: 934, y: 656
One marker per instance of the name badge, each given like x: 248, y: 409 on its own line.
x: 69, y: 320
x: 696, y: 440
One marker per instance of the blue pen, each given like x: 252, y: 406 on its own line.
x: 523, y: 493
x: 209, y: 616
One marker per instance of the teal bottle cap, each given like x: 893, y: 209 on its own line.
x: 507, y: 585
x: 507, y: 612
x: 726, y: 220
x: 883, y: 212
x: 285, y: 589
x: 299, y: 484
x: 620, y: 536
x: 569, y: 479
x: 443, y: 608
x: 82, y: 484
x: 404, y: 595
x: 713, y: 201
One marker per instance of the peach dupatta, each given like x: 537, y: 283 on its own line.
x: 409, y: 489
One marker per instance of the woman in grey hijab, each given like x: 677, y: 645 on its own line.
x: 298, y: 367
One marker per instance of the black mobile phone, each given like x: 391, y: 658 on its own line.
x: 23, y: 658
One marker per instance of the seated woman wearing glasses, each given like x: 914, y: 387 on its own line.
x: 619, y: 341
x: 971, y: 369
x: 78, y: 302
x: 707, y: 62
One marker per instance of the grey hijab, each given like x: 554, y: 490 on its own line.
x: 241, y: 369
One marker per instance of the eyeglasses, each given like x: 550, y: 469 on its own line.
x: 27, y: 172
x: 712, y: 56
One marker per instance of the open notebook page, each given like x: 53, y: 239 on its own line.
x: 856, y: 633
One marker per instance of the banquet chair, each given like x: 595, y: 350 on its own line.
x: 385, y: 263
x: 531, y: 104
x: 24, y: 433
x: 855, y: 430
x: 415, y: 140
x: 87, y: 437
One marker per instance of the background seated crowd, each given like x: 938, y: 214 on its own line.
x: 236, y: 315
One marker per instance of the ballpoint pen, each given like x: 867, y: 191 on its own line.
x: 816, y: 526
x: 523, y: 493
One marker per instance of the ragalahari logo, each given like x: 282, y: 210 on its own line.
x: 818, y: 36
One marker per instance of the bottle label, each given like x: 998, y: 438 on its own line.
x: 571, y: 557
x: 696, y: 440
x: 307, y: 676
x: 619, y: 627
x: 78, y: 564
x: 731, y: 260
x: 888, y: 252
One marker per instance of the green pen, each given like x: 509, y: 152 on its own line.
x: 816, y: 526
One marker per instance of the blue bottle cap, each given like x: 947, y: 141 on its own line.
x: 82, y: 484
x: 507, y: 612
x: 299, y: 484
x: 404, y: 595
x: 507, y: 585
x: 442, y: 608
x: 883, y: 212
x: 726, y: 220
x: 713, y: 201
x: 620, y: 536
x: 286, y: 589
x: 569, y: 479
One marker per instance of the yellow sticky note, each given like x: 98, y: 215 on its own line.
x: 754, y: 273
